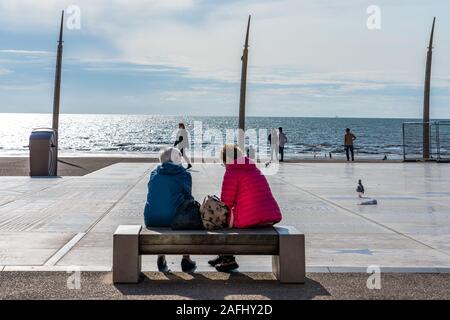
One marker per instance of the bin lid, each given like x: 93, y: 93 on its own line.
x: 42, y: 134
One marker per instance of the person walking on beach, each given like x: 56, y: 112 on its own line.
x: 182, y: 143
x: 283, y: 140
x: 348, y: 144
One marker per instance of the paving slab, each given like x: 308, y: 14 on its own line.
x: 33, y: 248
x: 13, y: 188
x: 408, y: 230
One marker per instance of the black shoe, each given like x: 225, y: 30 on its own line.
x: 189, y: 166
x: 188, y: 265
x: 227, y: 265
x: 162, y: 264
x: 216, y: 261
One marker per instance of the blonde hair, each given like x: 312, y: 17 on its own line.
x: 230, y: 152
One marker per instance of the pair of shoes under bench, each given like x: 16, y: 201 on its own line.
x: 227, y: 265
x: 217, y: 260
x: 186, y: 264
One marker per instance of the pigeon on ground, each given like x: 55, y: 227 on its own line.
x: 364, y: 200
x: 360, y: 189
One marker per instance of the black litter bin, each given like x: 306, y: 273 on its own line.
x: 43, y: 152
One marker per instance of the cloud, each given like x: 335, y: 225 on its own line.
x: 300, y: 50
x: 5, y: 72
x: 26, y: 52
x: 25, y: 87
x: 22, y: 14
x: 206, y: 37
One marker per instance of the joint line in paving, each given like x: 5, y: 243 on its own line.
x: 118, y: 200
x: 361, y: 216
x: 66, y: 248
x: 69, y: 245
x: 30, y: 193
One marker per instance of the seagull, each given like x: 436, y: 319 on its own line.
x: 360, y: 188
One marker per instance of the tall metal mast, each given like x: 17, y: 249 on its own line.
x: 244, y: 59
x: 426, y: 98
x: 57, y: 90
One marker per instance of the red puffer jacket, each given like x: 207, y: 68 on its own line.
x: 247, y: 193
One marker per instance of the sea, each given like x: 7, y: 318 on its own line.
x: 143, y: 135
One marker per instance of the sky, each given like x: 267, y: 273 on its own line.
x: 312, y: 58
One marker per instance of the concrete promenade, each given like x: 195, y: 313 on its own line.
x: 50, y: 224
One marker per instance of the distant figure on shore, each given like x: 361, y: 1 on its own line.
x: 182, y: 143
x: 274, y: 141
x: 348, y: 143
x: 283, y: 140
x: 385, y: 157
x: 251, y: 152
x: 170, y: 185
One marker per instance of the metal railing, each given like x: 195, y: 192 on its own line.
x: 439, y: 133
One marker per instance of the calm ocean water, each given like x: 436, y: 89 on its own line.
x: 147, y: 134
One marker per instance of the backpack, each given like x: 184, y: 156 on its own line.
x: 214, y: 213
x: 187, y: 216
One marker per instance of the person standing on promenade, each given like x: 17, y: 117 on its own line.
x: 182, y: 143
x: 348, y: 143
x: 274, y: 141
x: 283, y: 140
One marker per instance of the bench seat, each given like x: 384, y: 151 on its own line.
x: 285, y: 244
x: 229, y: 241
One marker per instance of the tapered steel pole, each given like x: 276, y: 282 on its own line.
x: 426, y: 98
x: 57, y: 90
x: 241, y: 138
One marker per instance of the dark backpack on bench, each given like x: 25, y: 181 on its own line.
x: 188, y: 217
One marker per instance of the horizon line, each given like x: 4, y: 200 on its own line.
x: 224, y: 116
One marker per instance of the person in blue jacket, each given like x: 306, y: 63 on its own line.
x: 169, y: 186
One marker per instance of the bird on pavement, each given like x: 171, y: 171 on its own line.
x: 360, y: 189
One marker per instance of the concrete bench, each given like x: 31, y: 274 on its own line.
x: 285, y: 244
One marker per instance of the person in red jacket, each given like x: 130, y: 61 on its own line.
x: 247, y: 194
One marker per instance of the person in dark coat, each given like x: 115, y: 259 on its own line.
x: 170, y: 185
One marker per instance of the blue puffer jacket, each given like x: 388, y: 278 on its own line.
x: 169, y: 186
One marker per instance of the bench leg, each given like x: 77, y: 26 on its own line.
x: 126, y: 258
x: 289, y: 265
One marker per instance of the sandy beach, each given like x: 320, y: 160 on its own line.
x: 80, y: 166
x: 73, y: 166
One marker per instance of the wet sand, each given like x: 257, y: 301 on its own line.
x: 79, y: 166
x: 73, y: 166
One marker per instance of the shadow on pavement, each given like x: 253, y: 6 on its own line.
x: 71, y: 164
x: 216, y: 286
